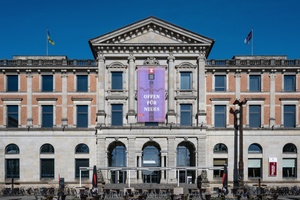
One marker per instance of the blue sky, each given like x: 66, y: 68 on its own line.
x: 276, y: 24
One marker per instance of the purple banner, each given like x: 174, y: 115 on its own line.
x: 151, y: 94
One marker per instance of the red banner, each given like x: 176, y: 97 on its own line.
x: 272, y: 166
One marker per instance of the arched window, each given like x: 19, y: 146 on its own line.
x: 186, y: 158
x: 289, y: 148
x: 220, y: 148
x: 151, y: 158
x: 255, y: 148
x: 47, y: 148
x: 82, y: 148
x: 117, y: 158
x: 12, y: 149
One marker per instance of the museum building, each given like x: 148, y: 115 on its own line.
x: 150, y: 108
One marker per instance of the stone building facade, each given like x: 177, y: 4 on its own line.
x: 151, y: 108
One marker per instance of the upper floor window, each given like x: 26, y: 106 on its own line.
x: 117, y: 114
x: 220, y: 116
x: 254, y: 116
x: 185, y: 80
x: 289, y: 148
x: 116, y: 80
x: 255, y: 148
x: 220, y: 83
x: 254, y: 83
x: 47, y: 116
x: 82, y: 83
x: 220, y: 148
x: 82, y: 148
x: 186, y: 115
x: 12, y: 149
x: 289, y: 83
x: 82, y: 116
x: 12, y: 116
x: 289, y: 116
x: 47, y: 83
x: 47, y: 149
x: 12, y: 83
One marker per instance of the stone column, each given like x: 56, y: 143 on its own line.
x: 101, y: 156
x: 171, y: 115
x: 272, y: 98
x: 29, y: 98
x: 101, y: 90
x: 171, y: 159
x: 201, y: 86
x: 201, y: 159
x: 238, y: 84
x: 163, y: 164
x: 64, y: 78
x: 131, y: 158
x: 139, y: 155
x: 131, y: 90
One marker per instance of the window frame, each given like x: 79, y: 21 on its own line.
x: 287, y: 86
x: 186, y: 114
x: 260, y: 168
x: 222, y: 87
x: 10, y: 113
x: 47, y: 85
x: 254, y: 116
x: 217, y: 113
x: 183, y: 82
x: 117, y: 114
x: 45, y: 167
x: 287, y: 169
x: 81, y: 116
x: 45, y: 119
x: 12, y: 85
x: 257, y: 83
x: 16, y: 169
x: 84, y: 174
x: 117, y: 81
x: 82, y: 85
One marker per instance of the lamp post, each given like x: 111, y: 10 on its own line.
x: 241, y: 161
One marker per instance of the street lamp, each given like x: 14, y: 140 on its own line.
x: 241, y: 161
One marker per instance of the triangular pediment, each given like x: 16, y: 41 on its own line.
x: 152, y: 31
x: 149, y: 29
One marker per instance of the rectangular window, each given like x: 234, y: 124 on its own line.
x: 220, y: 83
x: 289, y: 169
x: 47, y: 116
x: 47, y: 83
x: 12, y: 116
x: 254, y: 168
x: 254, y: 116
x: 117, y: 80
x: 186, y: 115
x: 82, y: 116
x: 47, y: 168
x: 289, y: 118
x: 117, y: 114
x: 81, y: 163
x: 12, y: 83
x: 82, y: 83
x: 289, y: 83
x: 254, y: 83
x: 12, y: 168
x: 219, y: 162
x: 185, y: 80
x: 220, y: 116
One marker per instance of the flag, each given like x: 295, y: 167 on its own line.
x: 248, y: 38
x: 49, y: 38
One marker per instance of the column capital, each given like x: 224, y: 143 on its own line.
x: 201, y: 57
x: 171, y: 57
x: 131, y: 57
x: 100, y: 56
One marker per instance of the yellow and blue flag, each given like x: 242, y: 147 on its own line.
x: 49, y: 38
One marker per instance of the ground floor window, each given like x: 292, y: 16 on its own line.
x: 12, y: 168
x: 254, y: 168
x: 81, y: 163
x: 289, y: 168
x: 47, y: 168
x: 219, y: 162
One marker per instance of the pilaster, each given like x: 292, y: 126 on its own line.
x: 64, y: 77
x: 171, y: 160
x: 201, y: 86
x: 171, y: 115
x: 101, y: 90
x: 272, y: 97
x: 131, y: 90
x: 29, y: 98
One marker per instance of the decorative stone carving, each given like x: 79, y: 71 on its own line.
x: 151, y: 61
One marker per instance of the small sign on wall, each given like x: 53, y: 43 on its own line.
x: 272, y: 166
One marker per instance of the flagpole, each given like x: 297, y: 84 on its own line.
x: 252, y: 42
x: 47, y: 41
